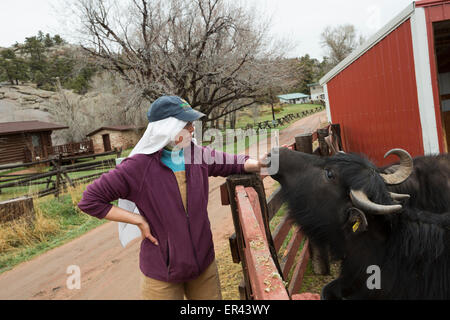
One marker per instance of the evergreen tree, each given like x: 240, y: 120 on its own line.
x: 48, y: 41
x: 34, y: 61
x: 12, y: 68
x: 58, y: 40
x: 34, y: 50
x: 309, y: 70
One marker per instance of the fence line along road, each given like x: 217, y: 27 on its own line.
x: 271, y: 124
x: 58, y: 177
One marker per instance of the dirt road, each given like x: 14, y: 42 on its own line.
x: 109, y: 272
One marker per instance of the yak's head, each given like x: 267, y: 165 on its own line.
x: 337, y: 199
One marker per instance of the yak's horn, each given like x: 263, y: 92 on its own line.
x: 399, y: 197
x: 361, y: 201
x: 403, y: 172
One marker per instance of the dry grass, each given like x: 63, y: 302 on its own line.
x: 76, y: 193
x: 23, y: 233
x: 56, y: 222
x: 230, y: 273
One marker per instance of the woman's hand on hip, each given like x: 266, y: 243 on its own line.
x: 145, y: 229
x: 120, y: 215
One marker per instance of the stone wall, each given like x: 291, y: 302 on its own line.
x: 119, y: 139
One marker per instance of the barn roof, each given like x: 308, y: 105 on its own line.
x: 28, y: 126
x: 115, y: 128
x: 380, y: 35
x: 293, y: 96
x: 426, y: 3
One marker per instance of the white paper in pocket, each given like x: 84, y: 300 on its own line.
x: 128, y: 232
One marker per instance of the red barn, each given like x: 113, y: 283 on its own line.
x: 394, y: 91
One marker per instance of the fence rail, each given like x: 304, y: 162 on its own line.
x: 265, y: 266
x: 72, y: 149
x: 57, y: 179
x: 271, y: 124
x: 67, y: 150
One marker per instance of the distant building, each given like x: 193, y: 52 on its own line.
x: 26, y: 141
x: 317, y: 92
x: 294, y: 98
x: 105, y: 139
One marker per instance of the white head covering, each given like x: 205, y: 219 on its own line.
x: 158, y: 135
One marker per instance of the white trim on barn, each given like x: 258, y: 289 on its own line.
x: 380, y: 35
x: 424, y: 88
x: 327, y: 103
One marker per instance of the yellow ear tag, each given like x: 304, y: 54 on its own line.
x: 356, y: 226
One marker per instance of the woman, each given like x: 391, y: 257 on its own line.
x: 166, y: 177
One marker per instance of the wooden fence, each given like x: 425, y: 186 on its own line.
x: 266, y: 268
x: 271, y: 124
x: 51, y: 152
x: 57, y: 178
x: 72, y: 149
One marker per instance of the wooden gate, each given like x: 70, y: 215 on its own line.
x: 266, y: 270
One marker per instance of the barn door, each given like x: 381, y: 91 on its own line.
x: 442, y: 48
x: 106, y: 142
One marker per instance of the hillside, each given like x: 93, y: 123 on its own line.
x: 47, y: 62
x: 26, y: 103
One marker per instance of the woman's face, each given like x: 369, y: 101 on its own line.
x: 184, y: 138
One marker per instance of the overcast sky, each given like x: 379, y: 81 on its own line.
x: 299, y: 21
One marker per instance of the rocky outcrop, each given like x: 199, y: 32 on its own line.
x: 27, y: 96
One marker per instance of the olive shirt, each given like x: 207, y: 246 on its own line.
x: 175, y: 161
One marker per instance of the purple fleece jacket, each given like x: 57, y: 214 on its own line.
x: 185, y: 240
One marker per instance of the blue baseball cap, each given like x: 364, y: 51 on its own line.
x: 172, y: 106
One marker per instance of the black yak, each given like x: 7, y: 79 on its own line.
x: 343, y: 203
x: 428, y: 185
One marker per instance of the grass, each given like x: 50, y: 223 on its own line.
x: 16, y: 192
x: 245, y: 118
x: 57, y: 221
x: 265, y: 113
x: 242, y: 144
x: 230, y: 273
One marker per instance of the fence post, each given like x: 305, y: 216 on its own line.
x: 58, y: 175
x: 249, y: 180
x: 119, y: 152
x: 321, y: 135
x: 16, y: 208
x: 303, y: 143
x: 336, y: 129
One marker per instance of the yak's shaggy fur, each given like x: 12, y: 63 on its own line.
x: 411, y: 247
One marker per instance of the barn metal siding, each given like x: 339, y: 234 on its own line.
x: 436, y: 12
x: 375, y: 99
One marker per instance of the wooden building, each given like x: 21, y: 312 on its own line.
x: 394, y: 91
x: 106, y: 139
x: 26, y: 141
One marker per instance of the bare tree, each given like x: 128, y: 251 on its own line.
x: 67, y: 109
x: 214, y: 54
x: 102, y: 106
x: 340, y: 42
